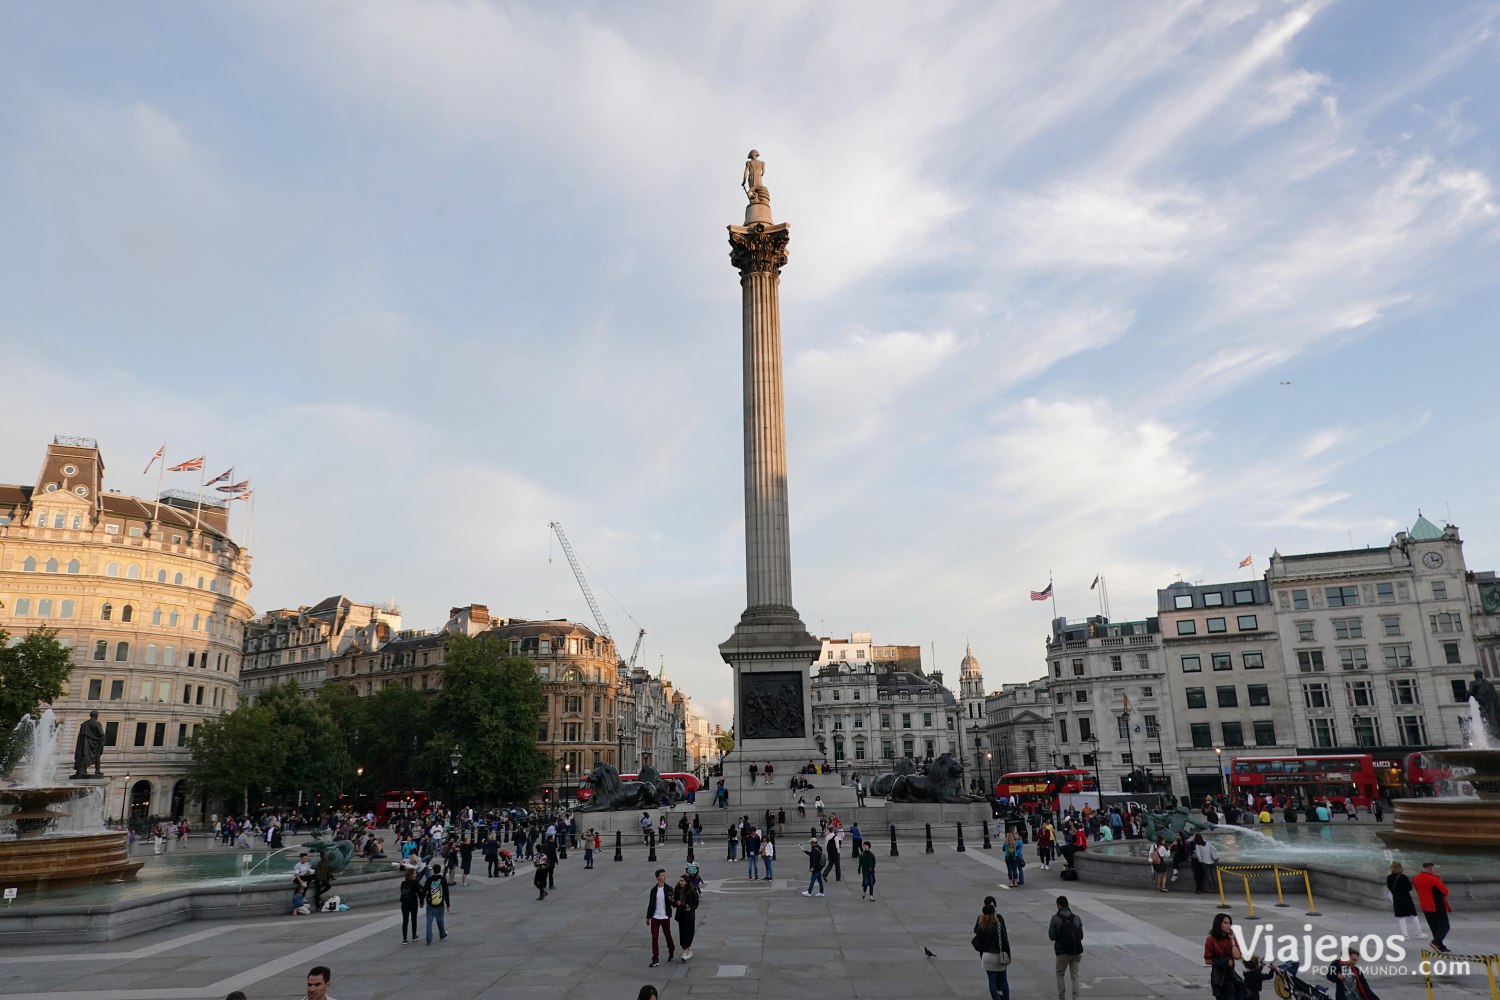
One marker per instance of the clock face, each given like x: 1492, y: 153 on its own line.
x: 1432, y: 560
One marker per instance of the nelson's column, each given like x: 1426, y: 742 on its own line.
x: 771, y: 650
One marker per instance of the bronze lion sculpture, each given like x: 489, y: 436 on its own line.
x: 942, y: 782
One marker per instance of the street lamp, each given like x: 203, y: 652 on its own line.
x: 1093, y: 741
x: 454, y: 758
x: 567, y: 777
x: 1219, y: 751
x: 125, y: 799
x: 359, y: 773
x: 989, y: 776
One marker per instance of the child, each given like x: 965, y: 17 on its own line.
x: 1255, y: 975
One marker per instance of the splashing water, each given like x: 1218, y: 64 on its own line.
x: 1478, y: 735
x: 37, y: 740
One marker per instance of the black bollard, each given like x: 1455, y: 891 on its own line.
x: 987, y: 844
x: 651, y: 840
x: 929, y: 839
x: 960, y: 838
x: 618, y: 855
x: 691, y: 856
x: 562, y: 847
x: 895, y: 851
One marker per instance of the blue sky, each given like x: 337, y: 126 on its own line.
x: 434, y: 274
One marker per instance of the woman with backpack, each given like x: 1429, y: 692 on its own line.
x: 1159, y: 869
x: 993, y: 944
x: 540, y: 864
x: 1014, y: 861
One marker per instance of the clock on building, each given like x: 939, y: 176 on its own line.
x: 1432, y: 560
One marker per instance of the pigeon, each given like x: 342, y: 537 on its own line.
x: 1286, y: 383
x: 928, y: 952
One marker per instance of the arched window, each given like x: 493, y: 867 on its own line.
x: 177, y: 579
x: 29, y: 566
x: 209, y: 626
x: 113, y: 569
x: 161, y: 576
x: 197, y: 621
x: 122, y: 652
x: 67, y: 609
x: 150, y: 652
x: 23, y: 607
x: 127, y: 614
x: 213, y: 585
x: 168, y: 655
x: 59, y: 519
x: 156, y: 616
x: 44, y: 608
x: 132, y: 572
x: 107, y: 612
x: 73, y: 566
x: 101, y: 649
x: 200, y: 583
x: 51, y: 565
x: 77, y: 521
x: 172, y: 619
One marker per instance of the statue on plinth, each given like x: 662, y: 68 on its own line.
x: 942, y: 781
x: 752, y: 180
x: 89, y: 749
x: 1482, y: 690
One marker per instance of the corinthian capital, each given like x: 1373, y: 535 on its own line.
x: 759, y: 248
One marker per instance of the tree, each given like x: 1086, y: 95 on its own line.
x: 32, y: 674
x: 383, y: 733
x: 488, y: 708
x: 236, y: 753
x: 317, y: 764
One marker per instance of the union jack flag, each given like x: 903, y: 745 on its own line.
x: 191, y: 465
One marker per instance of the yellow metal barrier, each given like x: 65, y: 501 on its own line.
x: 1247, y: 872
x: 1491, y: 965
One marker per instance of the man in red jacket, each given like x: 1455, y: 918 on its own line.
x: 1432, y: 896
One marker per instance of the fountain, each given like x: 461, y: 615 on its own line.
x: 1455, y: 819
x: 53, y: 846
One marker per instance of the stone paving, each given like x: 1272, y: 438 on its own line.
x: 589, y: 940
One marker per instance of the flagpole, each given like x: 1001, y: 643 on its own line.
x: 1052, y: 591
x: 250, y: 520
x: 198, y: 511
x: 160, y: 472
x: 1104, y: 593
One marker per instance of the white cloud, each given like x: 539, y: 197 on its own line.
x: 1072, y: 224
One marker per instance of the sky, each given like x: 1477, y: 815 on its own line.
x: 1074, y: 289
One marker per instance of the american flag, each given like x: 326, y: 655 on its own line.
x: 1042, y: 595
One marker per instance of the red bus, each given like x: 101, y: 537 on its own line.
x: 690, y: 783
x: 1310, y: 779
x: 1039, y: 790
x: 398, y: 805
x: 1422, y: 781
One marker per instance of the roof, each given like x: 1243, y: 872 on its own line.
x: 1424, y: 531
x: 557, y: 626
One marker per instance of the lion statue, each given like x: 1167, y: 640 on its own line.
x: 610, y: 793
x: 942, y: 782
x: 883, y: 784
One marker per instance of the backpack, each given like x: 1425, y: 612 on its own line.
x: 435, y: 892
x: 539, y: 860
x: 1069, y: 935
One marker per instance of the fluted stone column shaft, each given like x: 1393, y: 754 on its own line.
x: 759, y: 252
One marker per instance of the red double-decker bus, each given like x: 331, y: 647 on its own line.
x: 1040, y: 790
x: 1310, y: 779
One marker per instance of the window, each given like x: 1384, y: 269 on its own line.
x: 885, y: 720
x: 1316, y: 695
x: 1187, y: 627
x: 107, y: 612
x: 1246, y: 623
x: 1259, y: 694
x: 1182, y: 602
x: 1234, y: 734
x: 1385, y: 593
x: 127, y: 614
x: 161, y: 576
x: 177, y: 579
x: 140, y: 734
x: 187, y: 694
x: 29, y: 565
x: 111, y: 734
x: 1310, y: 661
x: 1153, y: 728
x: 1305, y: 632
x: 159, y: 735
x: 1244, y: 597
x: 44, y: 608
x: 1252, y: 660
x: 1203, y: 736
x: 52, y: 563
x: 1366, y: 731
x: 573, y: 703
x: 1348, y: 628
x: 1080, y: 696
x: 1223, y: 661
x: 150, y: 653
x: 1342, y: 597
x: 1353, y: 658
x: 168, y: 656
x: 1390, y: 624
x: 1405, y: 691
x: 67, y: 609
x: 1299, y: 600
x: 905, y: 720
x: 541, y: 732
x: 1147, y: 691
x: 1228, y: 697
x: 193, y: 658
x: 1077, y: 668
x: 182, y: 732
x: 1412, y: 730
x: 1439, y: 590
x: 887, y: 750
x: 96, y: 688
x: 1265, y: 734
x: 1192, y: 664
x: 1122, y: 727
x: 122, y: 652
x: 1196, y: 698
x: 1117, y: 663
x: 117, y: 690
x: 1062, y: 727
x: 1446, y: 622
x: 1450, y: 652
x: 23, y: 607
x: 1218, y: 625
x: 132, y: 572
x: 1213, y: 599
x: 1142, y: 661
x: 1361, y: 694
x: 1460, y: 691
x: 198, y: 621
x: 1085, y: 730
x: 74, y: 566
x: 1397, y: 655
x: 1320, y: 732
x: 148, y: 688
x: 101, y: 650
x: 113, y: 569
x: 926, y: 720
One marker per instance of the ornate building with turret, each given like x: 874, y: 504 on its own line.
x: 971, y: 709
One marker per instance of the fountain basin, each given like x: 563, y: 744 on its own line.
x: 1445, y: 823
x: 75, y: 859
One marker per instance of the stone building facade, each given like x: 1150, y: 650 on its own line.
x: 296, y: 644
x: 152, y: 598
x: 1018, y: 730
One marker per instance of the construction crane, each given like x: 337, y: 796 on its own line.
x: 588, y: 595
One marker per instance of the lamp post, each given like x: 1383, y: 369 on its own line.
x: 125, y: 799
x: 1129, y: 745
x: 454, y: 759
x: 567, y: 777
x: 989, y: 774
x: 1093, y: 741
x: 1219, y: 758
x: 359, y: 773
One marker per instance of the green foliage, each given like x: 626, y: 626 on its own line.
x: 488, y: 708
x: 384, y: 734
x: 725, y: 740
x: 32, y: 674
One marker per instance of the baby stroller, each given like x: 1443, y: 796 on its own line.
x: 1290, y: 986
x: 507, y: 863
